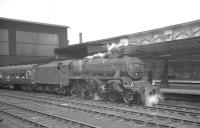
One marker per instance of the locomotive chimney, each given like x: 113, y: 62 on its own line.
x: 80, y: 38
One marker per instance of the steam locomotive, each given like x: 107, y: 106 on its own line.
x: 113, y: 79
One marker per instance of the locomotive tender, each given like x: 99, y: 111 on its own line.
x: 111, y: 79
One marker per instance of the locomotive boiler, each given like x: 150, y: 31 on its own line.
x: 115, y: 67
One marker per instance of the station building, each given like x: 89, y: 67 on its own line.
x: 173, y: 52
x: 24, y: 42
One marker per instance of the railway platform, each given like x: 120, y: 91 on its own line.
x: 186, y: 92
x: 190, y: 89
x: 180, y: 91
x: 187, y: 87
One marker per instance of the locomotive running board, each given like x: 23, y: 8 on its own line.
x: 95, y: 77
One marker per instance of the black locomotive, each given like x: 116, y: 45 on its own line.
x: 111, y: 79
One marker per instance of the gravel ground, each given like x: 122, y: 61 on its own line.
x: 9, y: 122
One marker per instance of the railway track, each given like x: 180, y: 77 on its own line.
x: 184, y: 108
x: 39, y: 119
x: 149, y: 116
x: 172, y: 108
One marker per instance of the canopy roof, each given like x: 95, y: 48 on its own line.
x: 169, y: 49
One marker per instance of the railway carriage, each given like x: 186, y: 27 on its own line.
x: 19, y: 76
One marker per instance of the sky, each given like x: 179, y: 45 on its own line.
x: 100, y: 19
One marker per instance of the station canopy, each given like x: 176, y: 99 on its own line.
x: 182, y: 48
x: 167, y: 50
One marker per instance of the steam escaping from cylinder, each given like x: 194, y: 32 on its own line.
x: 97, y: 97
x: 153, y: 99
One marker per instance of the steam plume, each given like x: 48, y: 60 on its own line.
x: 98, y: 55
x: 154, y: 99
x: 97, y: 97
x: 122, y: 42
x: 113, y: 49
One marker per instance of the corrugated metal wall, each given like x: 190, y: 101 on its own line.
x: 4, y: 43
x: 35, y: 44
